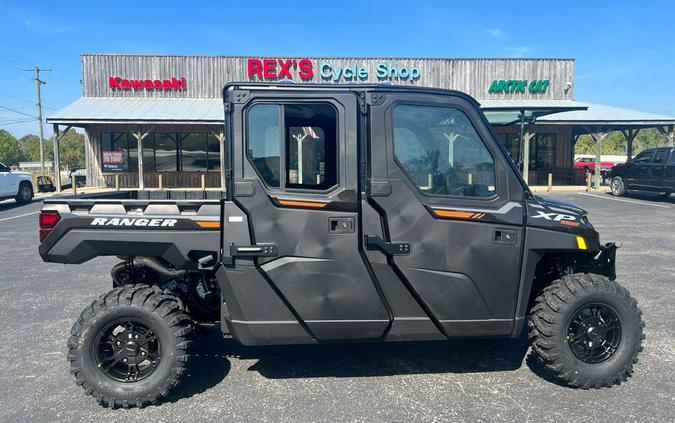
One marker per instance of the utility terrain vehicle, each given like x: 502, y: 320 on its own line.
x: 351, y: 213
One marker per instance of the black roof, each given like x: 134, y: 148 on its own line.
x: 312, y: 86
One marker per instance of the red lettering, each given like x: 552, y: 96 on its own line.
x: 136, y: 84
x: 166, y: 84
x: 285, y: 69
x: 175, y: 84
x: 147, y: 84
x: 183, y: 83
x: 270, y: 68
x: 306, y: 70
x: 125, y: 84
x: 114, y: 82
x: 157, y: 84
x: 254, y: 68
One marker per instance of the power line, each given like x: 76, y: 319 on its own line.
x: 17, y: 58
x: 15, y: 122
x: 16, y: 111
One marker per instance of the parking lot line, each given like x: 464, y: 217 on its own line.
x: 605, y: 197
x: 16, y: 217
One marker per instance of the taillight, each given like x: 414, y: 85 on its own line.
x: 48, y: 219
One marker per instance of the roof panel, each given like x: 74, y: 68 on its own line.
x: 601, y: 113
x: 100, y: 109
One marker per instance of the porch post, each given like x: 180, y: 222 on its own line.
x: 139, y: 135
x: 667, y: 132
x: 57, y: 161
x: 598, y: 137
x: 630, y: 135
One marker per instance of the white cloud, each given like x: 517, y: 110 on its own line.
x: 495, y: 33
x: 519, y: 51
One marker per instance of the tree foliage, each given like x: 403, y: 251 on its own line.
x: 10, y: 151
x: 615, y: 143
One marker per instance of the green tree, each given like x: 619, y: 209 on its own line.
x: 10, y: 151
x: 30, y: 144
x: 71, y: 151
x: 615, y: 143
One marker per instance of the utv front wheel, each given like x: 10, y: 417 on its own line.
x: 129, y: 347
x: 587, y: 331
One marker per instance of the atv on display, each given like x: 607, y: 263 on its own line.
x: 351, y: 213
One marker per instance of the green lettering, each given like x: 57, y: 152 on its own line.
x: 494, y: 87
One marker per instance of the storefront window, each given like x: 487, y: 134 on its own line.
x: 162, y: 152
x: 193, y: 153
x: 165, y: 152
x: 119, y: 152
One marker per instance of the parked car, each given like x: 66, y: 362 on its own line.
x: 14, y: 184
x: 652, y: 170
x: 588, y: 164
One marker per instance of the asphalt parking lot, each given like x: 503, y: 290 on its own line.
x: 452, y: 381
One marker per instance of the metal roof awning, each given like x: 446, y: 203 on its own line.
x: 603, y: 115
x: 100, y: 110
x: 507, y: 112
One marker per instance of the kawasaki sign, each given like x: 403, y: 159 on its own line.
x: 536, y: 86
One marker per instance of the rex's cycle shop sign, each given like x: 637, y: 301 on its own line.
x: 306, y: 69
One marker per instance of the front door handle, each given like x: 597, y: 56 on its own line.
x: 505, y: 236
x: 389, y: 248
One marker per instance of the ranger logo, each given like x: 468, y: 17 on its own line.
x: 116, y: 221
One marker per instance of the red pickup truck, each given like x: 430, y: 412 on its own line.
x: 588, y: 163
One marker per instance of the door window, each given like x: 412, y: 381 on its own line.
x: 659, y: 157
x: 441, y: 152
x: 294, y: 145
x: 644, y: 157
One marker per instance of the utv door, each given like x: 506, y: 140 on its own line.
x: 450, y: 210
x: 296, y: 178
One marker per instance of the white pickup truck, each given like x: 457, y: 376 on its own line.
x: 17, y: 185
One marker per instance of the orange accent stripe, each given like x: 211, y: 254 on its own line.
x: 208, y: 224
x: 453, y: 213
x: 311, y: 204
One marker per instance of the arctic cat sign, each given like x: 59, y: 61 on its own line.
x: 536, y: 86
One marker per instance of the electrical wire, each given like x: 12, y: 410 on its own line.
x: 16, y: 111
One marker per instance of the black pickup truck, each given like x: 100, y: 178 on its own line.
x: 651, y: 170
x: 351, y: 213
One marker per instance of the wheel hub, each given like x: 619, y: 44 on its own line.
x: 127, y: 351
x: 594, y: 333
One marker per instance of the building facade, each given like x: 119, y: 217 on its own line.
x: 146, y: 116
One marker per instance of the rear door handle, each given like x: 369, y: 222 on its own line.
x: 389, y: 248
x: 505, y: 236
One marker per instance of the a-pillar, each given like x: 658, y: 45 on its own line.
x: 221, y: 143
x: 527, y: 136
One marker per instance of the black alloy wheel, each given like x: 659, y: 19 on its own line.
x: 127, y: 350
x: 594, y: 333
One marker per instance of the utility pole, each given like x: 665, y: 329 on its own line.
x: 39, y: 82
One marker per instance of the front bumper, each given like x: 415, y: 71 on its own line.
x: 604, y: 263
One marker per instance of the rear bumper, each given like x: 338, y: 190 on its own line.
x: 605, y: 262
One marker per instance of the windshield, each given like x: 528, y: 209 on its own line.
x: 4, y: 168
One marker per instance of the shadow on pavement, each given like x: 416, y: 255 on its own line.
x: 207, y: 366
x: 386, y: 359
x: 649, y: 196
x: 11, y: 204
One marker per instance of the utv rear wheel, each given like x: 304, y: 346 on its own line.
x: 587, y: 331
x: 129, y: 347
x: 617, y: 186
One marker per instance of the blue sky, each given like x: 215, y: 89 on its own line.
x: 625, y: 52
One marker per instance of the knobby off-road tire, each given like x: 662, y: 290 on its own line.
x: 556, y: 311
x: 163, y: 326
